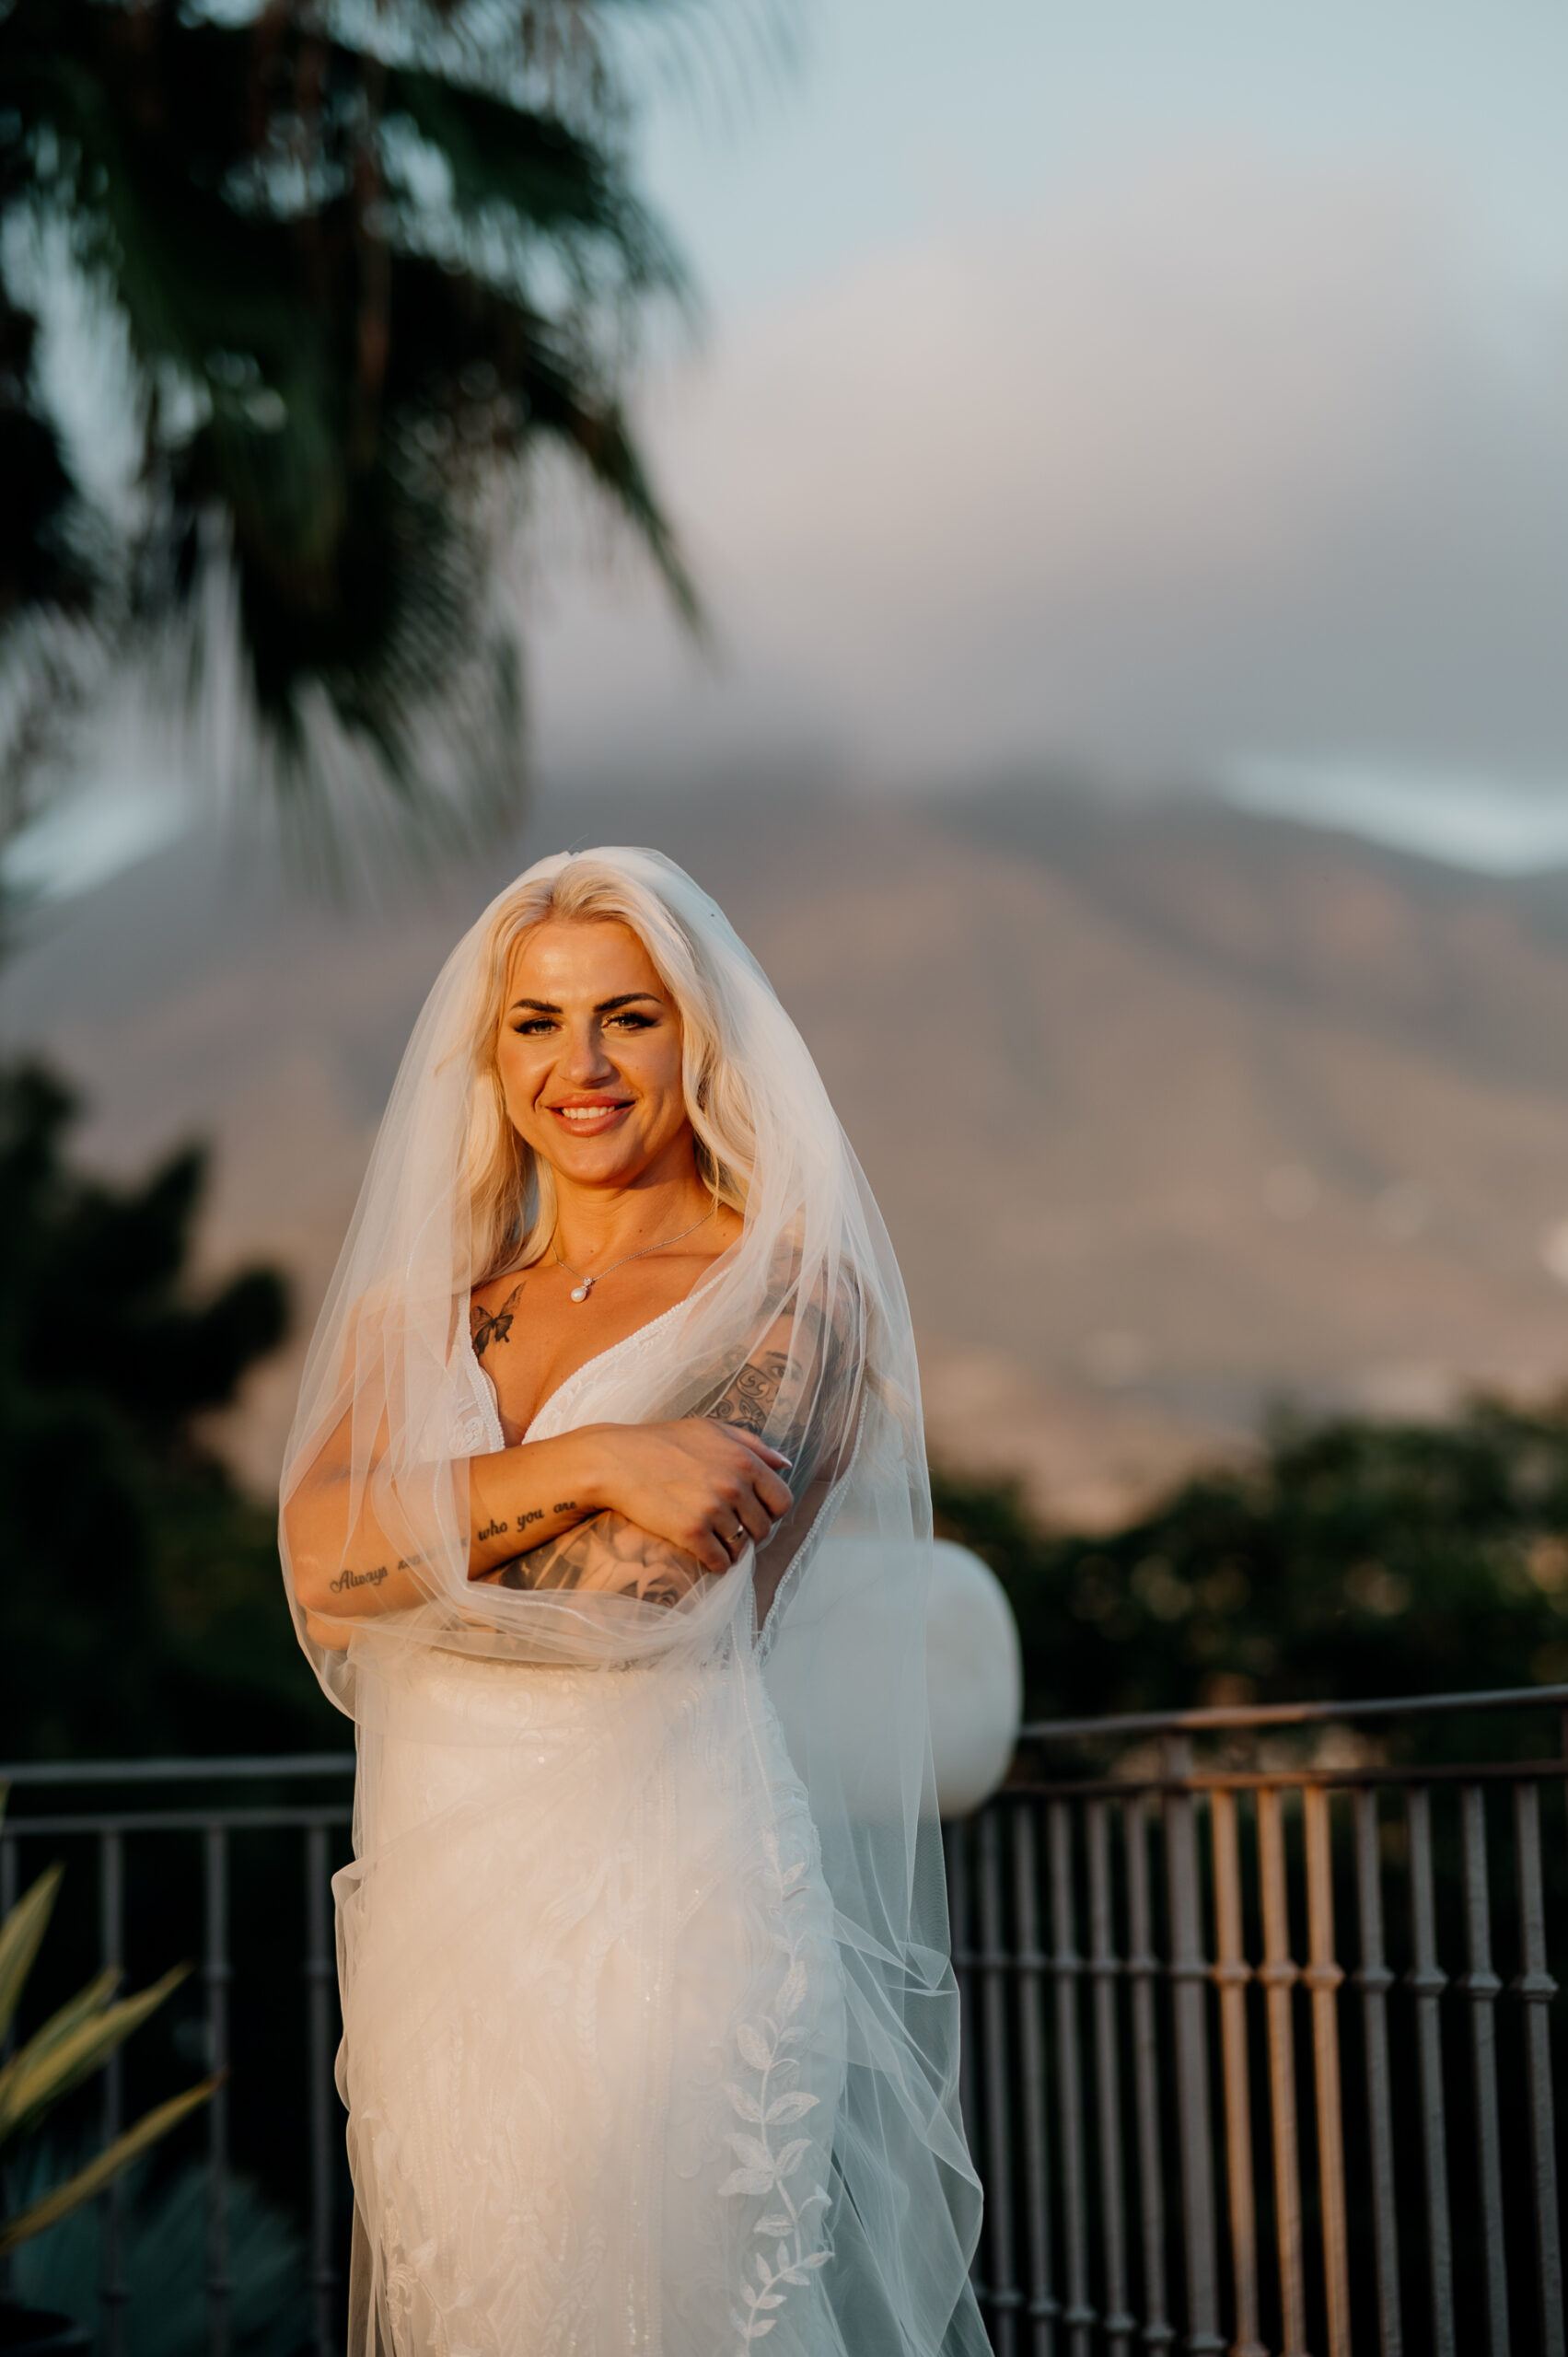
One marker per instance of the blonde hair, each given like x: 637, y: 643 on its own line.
x: 512, y: 1188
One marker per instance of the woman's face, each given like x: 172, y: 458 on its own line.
x: 590, y: 1054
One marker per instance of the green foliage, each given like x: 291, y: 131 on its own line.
x: 163, y: 2263
x: 75, y: 2041
x: 140, y: 1607
x: 1355, y: 1560
x: 353, y: 266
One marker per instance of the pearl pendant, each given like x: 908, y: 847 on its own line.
x: 580, y: 1292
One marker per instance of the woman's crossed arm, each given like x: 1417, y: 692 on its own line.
x: 666, y: 1530
x: 633, y: 1509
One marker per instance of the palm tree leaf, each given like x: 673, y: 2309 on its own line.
x: 21, y: 1935
x: 63, y: 2198
x: 549, y: 177
x: 52, y: 2062
x: 560, y: 384
x: 302, y: 306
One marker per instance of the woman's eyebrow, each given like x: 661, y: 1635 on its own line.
x: 605, y: 1006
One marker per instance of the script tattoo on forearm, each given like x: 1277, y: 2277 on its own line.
x: 494, y: 1529
x: 349, y: 1578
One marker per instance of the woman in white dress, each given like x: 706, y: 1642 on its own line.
x: 610, y: 1429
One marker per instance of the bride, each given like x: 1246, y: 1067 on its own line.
x: 649, y: 2027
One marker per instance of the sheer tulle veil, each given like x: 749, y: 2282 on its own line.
x: 900, y: 2204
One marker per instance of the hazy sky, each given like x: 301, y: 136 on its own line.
x: 1171, y: 391
x: 892, y: 117
x: 1165, y: 390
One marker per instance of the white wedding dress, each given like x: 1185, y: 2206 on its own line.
x: 594, y: 2016
x: 650, y: 2029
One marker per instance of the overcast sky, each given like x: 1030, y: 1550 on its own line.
x: 1168, y: 391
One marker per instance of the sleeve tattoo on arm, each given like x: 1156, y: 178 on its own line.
x: 748, y: 1400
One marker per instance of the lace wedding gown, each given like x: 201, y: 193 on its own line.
x: 650, y: 2024
x: 594, y: 2031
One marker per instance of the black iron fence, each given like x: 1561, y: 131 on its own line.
x: 197, y: 1816
x: 1259, y: 2050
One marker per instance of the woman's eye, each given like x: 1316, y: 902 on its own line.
x: 633, y: 1022
x: 532, y: 1027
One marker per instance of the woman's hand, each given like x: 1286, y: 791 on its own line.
x: 689, y: 1496
x: 708, y: 1489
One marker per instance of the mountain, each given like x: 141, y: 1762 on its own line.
x: 1172, y: 1112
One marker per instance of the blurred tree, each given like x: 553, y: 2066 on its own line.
x: 1356, y: 1559
x: 140, y: 1604
x: 352, y: 265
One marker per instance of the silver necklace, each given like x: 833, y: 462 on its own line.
x: 585, y: 1286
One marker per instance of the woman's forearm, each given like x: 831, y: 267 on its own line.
x: 539, y: 1487
x: 609, y: 1553
x: 544, y: 1514
x: 341, y: 1572
x: 609, y: 1556
x: 519, y: 1498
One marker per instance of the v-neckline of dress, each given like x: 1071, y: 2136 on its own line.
x: 552, y: 1399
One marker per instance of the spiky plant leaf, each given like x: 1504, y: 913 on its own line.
x: 63, y: 2198
x: 52, y: 2062
x: 84, y: 2006
x: 21, y: 1935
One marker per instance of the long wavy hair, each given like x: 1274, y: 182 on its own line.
x: 512, y: 1188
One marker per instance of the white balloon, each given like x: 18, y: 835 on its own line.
x: 974, y: 1675
x: 826, y: 1662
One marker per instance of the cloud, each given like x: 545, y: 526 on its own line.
x: 1226, y: 458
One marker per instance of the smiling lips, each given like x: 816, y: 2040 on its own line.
x: 587, y: 1117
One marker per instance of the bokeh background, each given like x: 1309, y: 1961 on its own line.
x: 1058, y: 516
x: 1117, y: 460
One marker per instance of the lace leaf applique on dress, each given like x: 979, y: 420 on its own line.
x: 769, y: 2048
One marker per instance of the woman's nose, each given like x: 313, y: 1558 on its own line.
x: 588, y: 1062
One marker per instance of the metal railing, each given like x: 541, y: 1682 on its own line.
x: 1156, y: 2064
x: 1173, y: 2056
x: 55, y: 1831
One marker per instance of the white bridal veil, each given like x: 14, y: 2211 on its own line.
x: 392, y: 1391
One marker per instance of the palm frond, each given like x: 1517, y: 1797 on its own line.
x: 543, y: 177
x: 365, y: 260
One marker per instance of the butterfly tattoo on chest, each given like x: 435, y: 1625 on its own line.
x: 493, y: 1325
